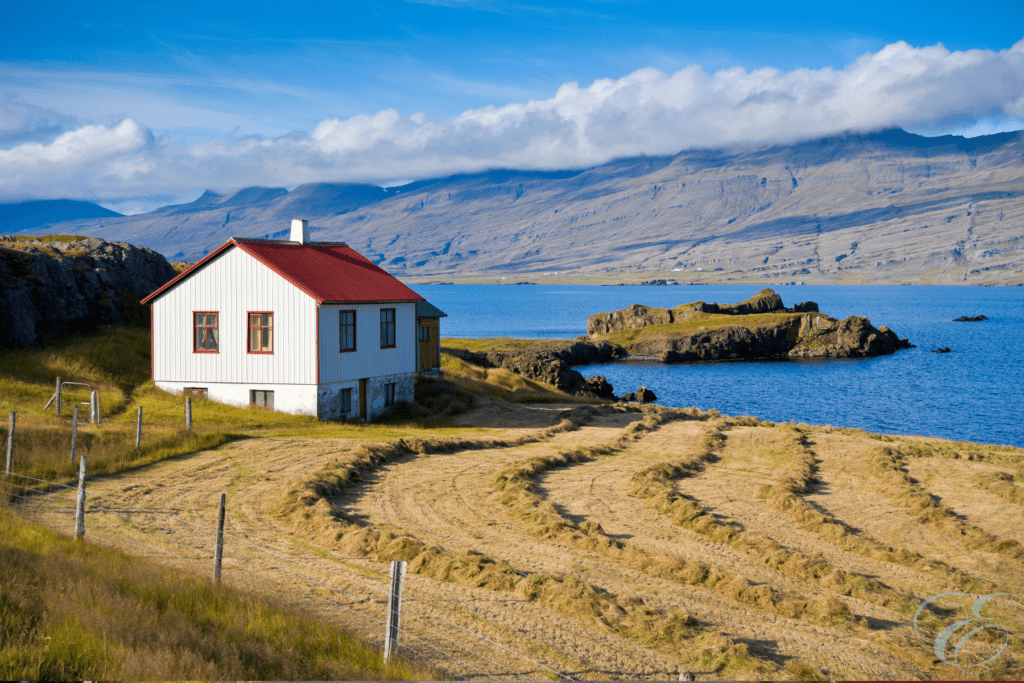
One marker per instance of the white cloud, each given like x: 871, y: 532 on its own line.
x: 22, y: 122
x: 646, y: 112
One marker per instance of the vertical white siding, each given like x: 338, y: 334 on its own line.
x: 232, y: 285
x: 368, y: 360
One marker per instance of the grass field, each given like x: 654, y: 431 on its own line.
x: 601, y: 541
x: 76, y: 611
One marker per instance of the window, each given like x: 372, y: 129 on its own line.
x: 199, y: 392
x: 424, y: 333
x: 261, y: 332
x: 389, y: 394
x: 347, y: 331
x: 346, y: 401
x: 387, y: 328
x: 259, y: 397
x: 207, y: 335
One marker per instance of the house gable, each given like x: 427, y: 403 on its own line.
x: 232, y: 283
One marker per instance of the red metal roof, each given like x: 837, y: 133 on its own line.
x: 328, y: 272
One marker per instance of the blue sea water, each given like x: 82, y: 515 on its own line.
x: 974, y: 393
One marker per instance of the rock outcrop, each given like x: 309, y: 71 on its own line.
x: 970, y: 319
x: 70, y: 286
x: 552, y: 363
x: 798, y: 332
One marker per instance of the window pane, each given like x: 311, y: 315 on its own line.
x: 200, y: 318
x: 211, y: 318
x: 200, y: 338
x: 212, y: 338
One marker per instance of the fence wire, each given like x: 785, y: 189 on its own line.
x: 353, y: 603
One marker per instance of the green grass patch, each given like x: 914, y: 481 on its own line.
x: 69, y: 610
x: 699, y: 322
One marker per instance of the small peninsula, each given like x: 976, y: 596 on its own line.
x: 760, y: 327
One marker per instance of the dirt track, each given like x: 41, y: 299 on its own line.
x: 446, y: 500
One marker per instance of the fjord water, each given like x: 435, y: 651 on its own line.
x: 974, y: 393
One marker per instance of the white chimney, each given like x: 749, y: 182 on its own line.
x: 300, y: 231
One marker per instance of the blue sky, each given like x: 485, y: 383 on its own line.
x: 135, y: 104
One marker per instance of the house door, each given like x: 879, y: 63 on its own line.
x: 362, y: 399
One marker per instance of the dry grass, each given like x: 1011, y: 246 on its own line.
x: 70, y: 610
x: 521, y: 497
x: 655, y: 484
x: 888, y: 466
x: 1006, y: 485
x: 305, y: 503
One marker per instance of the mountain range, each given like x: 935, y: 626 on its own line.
x: 884, y: 207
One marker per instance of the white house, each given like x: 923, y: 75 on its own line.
x: 304, y: 327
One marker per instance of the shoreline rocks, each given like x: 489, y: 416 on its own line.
x: 552, y: 363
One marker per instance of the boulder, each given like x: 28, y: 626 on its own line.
x: 943, y: 349
x: 645, y: 395
x: 970, y: 319
x: 596, y: 385
x: 628, y: 398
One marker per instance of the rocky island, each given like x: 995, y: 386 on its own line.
x: 760, y: 327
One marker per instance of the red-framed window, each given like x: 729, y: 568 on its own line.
x: 205, y: 332
x: 346, y: 331
x: 387, y: 328
x: 261, y: 332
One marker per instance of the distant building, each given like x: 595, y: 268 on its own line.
x: 303, y: 327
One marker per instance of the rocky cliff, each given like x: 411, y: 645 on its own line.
x: 761, y: 327
x: 67, y: 286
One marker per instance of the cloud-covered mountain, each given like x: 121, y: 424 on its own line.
x: 646, y: 112
x: 37, y: 214
x: 881, y: 207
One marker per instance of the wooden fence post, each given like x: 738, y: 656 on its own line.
x: 138, y: 432
x: 94, y: 408
x: 74, y: 433
x: 188, y: 413
x: 80, y: 506
x: 10, y: 443
x: 394, y: 609
x: 60, y: 399
x: 218, y: 549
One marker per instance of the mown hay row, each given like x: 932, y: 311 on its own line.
x: 520, y: 496
x: 785, y: 494
x: 887, y: 465
x: 334, y: 477
x: 656, y: 485
x: 675, y: 632
x: 1006, y: 485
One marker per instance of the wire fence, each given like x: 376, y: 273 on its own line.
x: 353, y: 598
